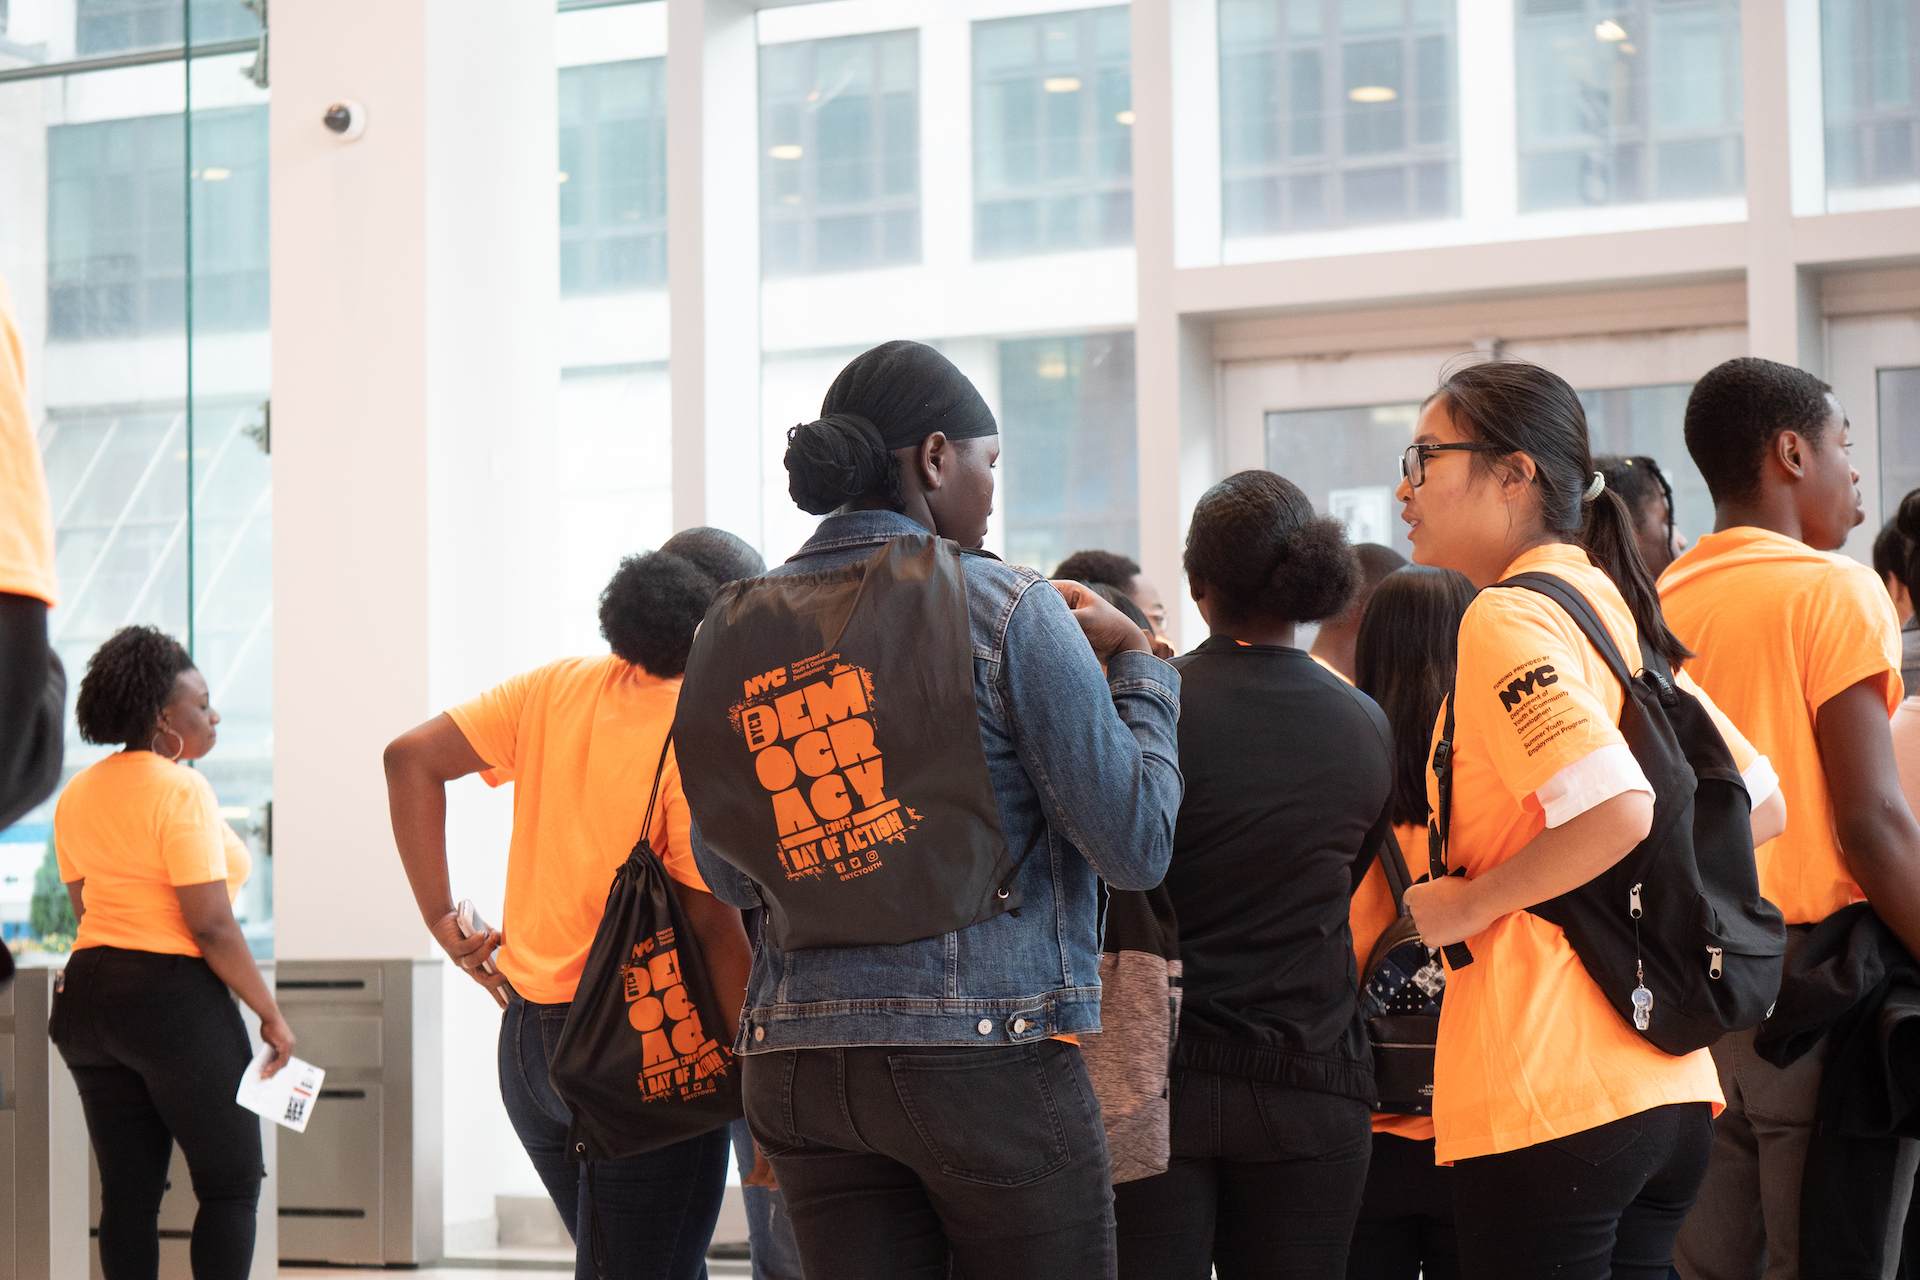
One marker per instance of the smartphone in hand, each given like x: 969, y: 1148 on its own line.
x: 471, y: 923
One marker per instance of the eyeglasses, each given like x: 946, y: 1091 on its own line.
x: 1413, y: 461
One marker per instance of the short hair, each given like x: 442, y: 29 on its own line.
x: 1737, y: 409
x: 1120, y: 600
x: 1261, y: 552
x: 1092, y: 567
x: 654, y: 603
x: 723, y: 556
x: 1376, y: 562
x: 129, y: 679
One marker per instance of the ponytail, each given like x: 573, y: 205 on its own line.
x: 1607, y: 533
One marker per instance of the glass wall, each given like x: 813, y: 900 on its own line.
x: 135, y: 251
x: 840, y: 153
x: 1870, y: 60
x: 1052, y: 132
x: 1018, y: 267
x: 1337, y: 114
x: 1626, y: 101
x: 612, y: 427
x: 1899, y: 412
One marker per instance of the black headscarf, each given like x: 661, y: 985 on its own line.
x: 908, y: 391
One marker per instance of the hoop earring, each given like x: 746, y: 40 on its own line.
x: 176, y: 753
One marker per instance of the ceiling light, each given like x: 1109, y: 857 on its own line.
x: 1053, y: 368
x: 813, y: 95
x: 1061, y: 84
x: 1124, y: 117
x: 787, y: 151
x: 1369, y: 94
x: 1629, y: 49
x: 216, y: 175
x: 1609, y: 31
x: 564, y: 175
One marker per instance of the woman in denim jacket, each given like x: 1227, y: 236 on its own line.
x: 924, y: 1105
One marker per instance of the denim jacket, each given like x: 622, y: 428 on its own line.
x: 1086, y: 772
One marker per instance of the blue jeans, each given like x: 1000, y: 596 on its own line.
x: 654, y: 1213
x: 770, y: 1241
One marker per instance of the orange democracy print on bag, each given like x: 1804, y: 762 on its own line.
x: 810, y: 728
x: 678, y: 1059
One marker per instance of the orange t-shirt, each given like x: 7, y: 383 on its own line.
x: 134, y: 827
x: 1778, y: 629
x: 1529, y: 1048
x: 1369, y: 917
x: 26, y: 525
x: 579, y: 740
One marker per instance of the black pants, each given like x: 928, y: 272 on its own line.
x: 1405, y: 1230
x: 1605, y: 1202
x: 156, y: 1045
x: 1265, y: 1181
x: 897, y: 1163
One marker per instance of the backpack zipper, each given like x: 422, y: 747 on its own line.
x: 1714, y: 955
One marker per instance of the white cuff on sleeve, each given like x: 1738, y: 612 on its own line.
x: 1761, y: 780
x: 1591, y: 781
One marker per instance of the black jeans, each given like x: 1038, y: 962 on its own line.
x: 898, y: 1163
x: 157, y: 1048
x: 1405, y: 1230
x: 1605, y: 1202
x: 654, y: 1213
x: 1265, y: 1181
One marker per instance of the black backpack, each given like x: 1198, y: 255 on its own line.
x: 1675, y: 934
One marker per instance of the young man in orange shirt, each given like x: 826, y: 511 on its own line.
x: 1799, y: 646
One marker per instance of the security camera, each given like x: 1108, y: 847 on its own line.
x: 347, y: 120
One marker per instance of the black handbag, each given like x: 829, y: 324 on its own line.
x: 1400, y: 993
x: 834, y: 717
x: 637, y: 1063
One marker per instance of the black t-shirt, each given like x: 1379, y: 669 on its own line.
x: 1288, y: 779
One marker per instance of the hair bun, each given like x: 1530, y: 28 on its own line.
x: 837, y: 458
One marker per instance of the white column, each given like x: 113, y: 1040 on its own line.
x: 414, y: 289
x: 713, y: 270
x: 1782, y: 97
x: 1173, y: 371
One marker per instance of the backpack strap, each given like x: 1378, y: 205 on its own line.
x: 1563, y: 594
x: 1458, y: 955
x: 646, y: 824
x: 1394, y: 867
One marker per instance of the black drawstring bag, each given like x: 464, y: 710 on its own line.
x: 639, y: 1063
x: 838, y: 735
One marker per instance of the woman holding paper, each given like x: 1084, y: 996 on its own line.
x: 145, y: 1017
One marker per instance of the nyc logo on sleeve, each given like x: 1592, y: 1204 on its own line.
x: 810, y: 728
x: 1537, y: 704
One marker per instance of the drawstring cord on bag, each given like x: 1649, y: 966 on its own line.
x: 596, y: 1238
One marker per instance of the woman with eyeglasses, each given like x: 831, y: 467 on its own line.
x: 1577, y: 1146
x: 145, y: 1017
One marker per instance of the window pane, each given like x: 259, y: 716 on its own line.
x: 1348, y: 462
x: 1336, y: 115
x: 1899, y: 443
x: 840, y: 153
x: 1870, y: 51
x: 1622, y: 101
x: 1067, y: 439
x: 1053, y: 159
x: 613, y: 176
